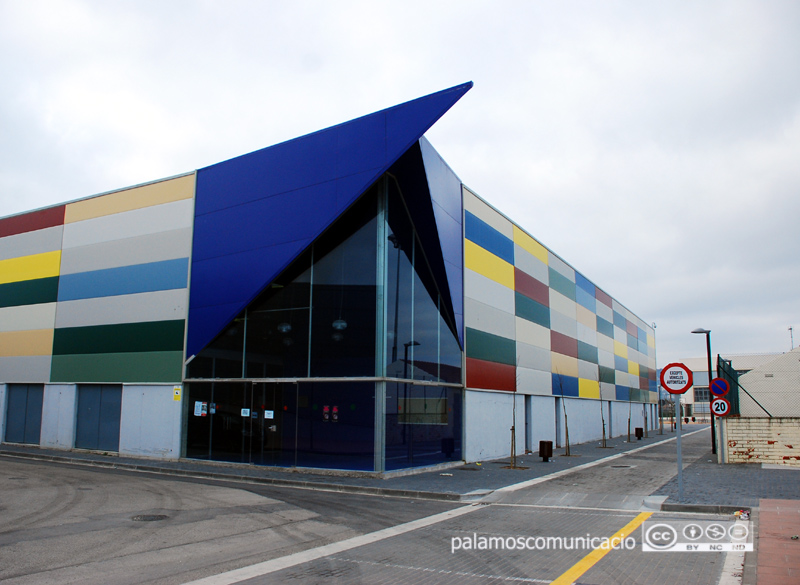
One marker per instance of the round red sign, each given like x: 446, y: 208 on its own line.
x: 676, y: 378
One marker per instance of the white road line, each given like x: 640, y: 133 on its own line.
x: 313, y: 554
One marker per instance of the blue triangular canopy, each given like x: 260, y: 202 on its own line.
x: 256, y: 213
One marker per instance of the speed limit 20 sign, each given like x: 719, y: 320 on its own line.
x: 720, y: 406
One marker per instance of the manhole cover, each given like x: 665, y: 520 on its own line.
x: 149, y: 517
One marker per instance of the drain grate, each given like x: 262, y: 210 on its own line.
x: 149, y: 517
x: 622, y: 466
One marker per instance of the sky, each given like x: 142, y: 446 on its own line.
x: 654, y: 146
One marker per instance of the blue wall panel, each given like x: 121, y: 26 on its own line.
x: 153, y: 276
x: 343, y: 160
x: 478, y: 231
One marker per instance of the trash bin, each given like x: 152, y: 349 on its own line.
x: 639, y: 432
x: 545, y: 450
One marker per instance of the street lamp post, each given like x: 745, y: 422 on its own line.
x: 707, y: 333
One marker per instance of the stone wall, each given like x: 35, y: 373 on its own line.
x: 762, y: 440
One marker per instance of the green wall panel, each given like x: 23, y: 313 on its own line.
x: 587, y: 353
x: 29, y: 292
x: 607, y: 375
x: 155, y: 336
x: 492, y: 348
x: 154, y: 366
x: 532, y: 311
x: 562, y: 284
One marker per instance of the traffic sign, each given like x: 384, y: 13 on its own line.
x: 719, y: 387
x: 720, y: 407
x: 676, y: 378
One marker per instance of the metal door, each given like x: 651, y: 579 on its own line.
x: 99, y: 410
x: 24, y: 413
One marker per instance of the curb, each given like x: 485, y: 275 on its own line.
x: 702, y: 508
x: 310, y: 485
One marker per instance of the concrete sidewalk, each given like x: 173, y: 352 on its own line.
x: 456, y: 482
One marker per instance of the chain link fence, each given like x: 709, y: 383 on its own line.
x: 771, y: 390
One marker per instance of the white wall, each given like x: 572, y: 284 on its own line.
x: 150, y: 422
x: 541, y: 416
x: 2, y: 412
x: 59, y: 415
x: 488, y: 418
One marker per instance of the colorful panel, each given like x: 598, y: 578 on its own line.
x: 30, y: 259
x: 488, y: 238
x: 493, y: 348
x: 484, y: 262
x: 563, y: 344
x: 124, y: 280
x: 531, y: 288
x: 532, y: 311
x: 588, y: 388
x: 565, y: 386
x: 562, y: 284
x: 488, y: 375
x: 530, y: 245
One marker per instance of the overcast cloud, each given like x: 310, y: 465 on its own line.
x: 654, y: 146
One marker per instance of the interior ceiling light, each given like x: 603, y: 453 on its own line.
x: 284, y: 327
x: 339, y: 325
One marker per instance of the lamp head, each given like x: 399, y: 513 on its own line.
x: 701, y: 330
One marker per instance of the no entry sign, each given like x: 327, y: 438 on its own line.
x: 676, y: 378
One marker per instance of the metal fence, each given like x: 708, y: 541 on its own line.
x: 769, y: 391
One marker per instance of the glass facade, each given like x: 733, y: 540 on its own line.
x: 360, y: 302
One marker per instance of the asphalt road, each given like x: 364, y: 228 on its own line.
x: 71, y: 524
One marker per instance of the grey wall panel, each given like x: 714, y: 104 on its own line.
x: 31, y: 369
x: 621, y: 335
x: 561, y: 267
x: 167, y: 245
x: 563, y: 305
x: 605, y: 312
x: 530, y: 264
x: 58, y: 416
x: 563, y: 324
x: 28, y: 317
x: 164, y: 305
x: 534, y: 382
x: 588, y: 371
x: 605, y: 343
x: 150, y: 422
x: 532, y: 357
x: 484, y: 211
x: 618, y: 307
x: 532, y: 334
x: 605, y: 358
x: 587, y: 335
x: 608, y: 392
x: 29, y: 243
x: 488, y: 292
x: 490, y: 319
x: 139, y: 222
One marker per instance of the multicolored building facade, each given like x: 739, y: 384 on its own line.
x: 340, y: 300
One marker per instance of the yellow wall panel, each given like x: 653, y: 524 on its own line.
x: 487, y: 264
x: 651, y: 340
x: 633, y: 368
x: 130, y: 199
x: 30, y: 267
x: 528, y: 243
x: 588, y: 388
x: 586, y: 317
x: 564, y: 365
x: 26, y: 343
x: 621, y: 349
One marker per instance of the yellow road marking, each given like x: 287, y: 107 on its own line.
x: 593, y: 557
